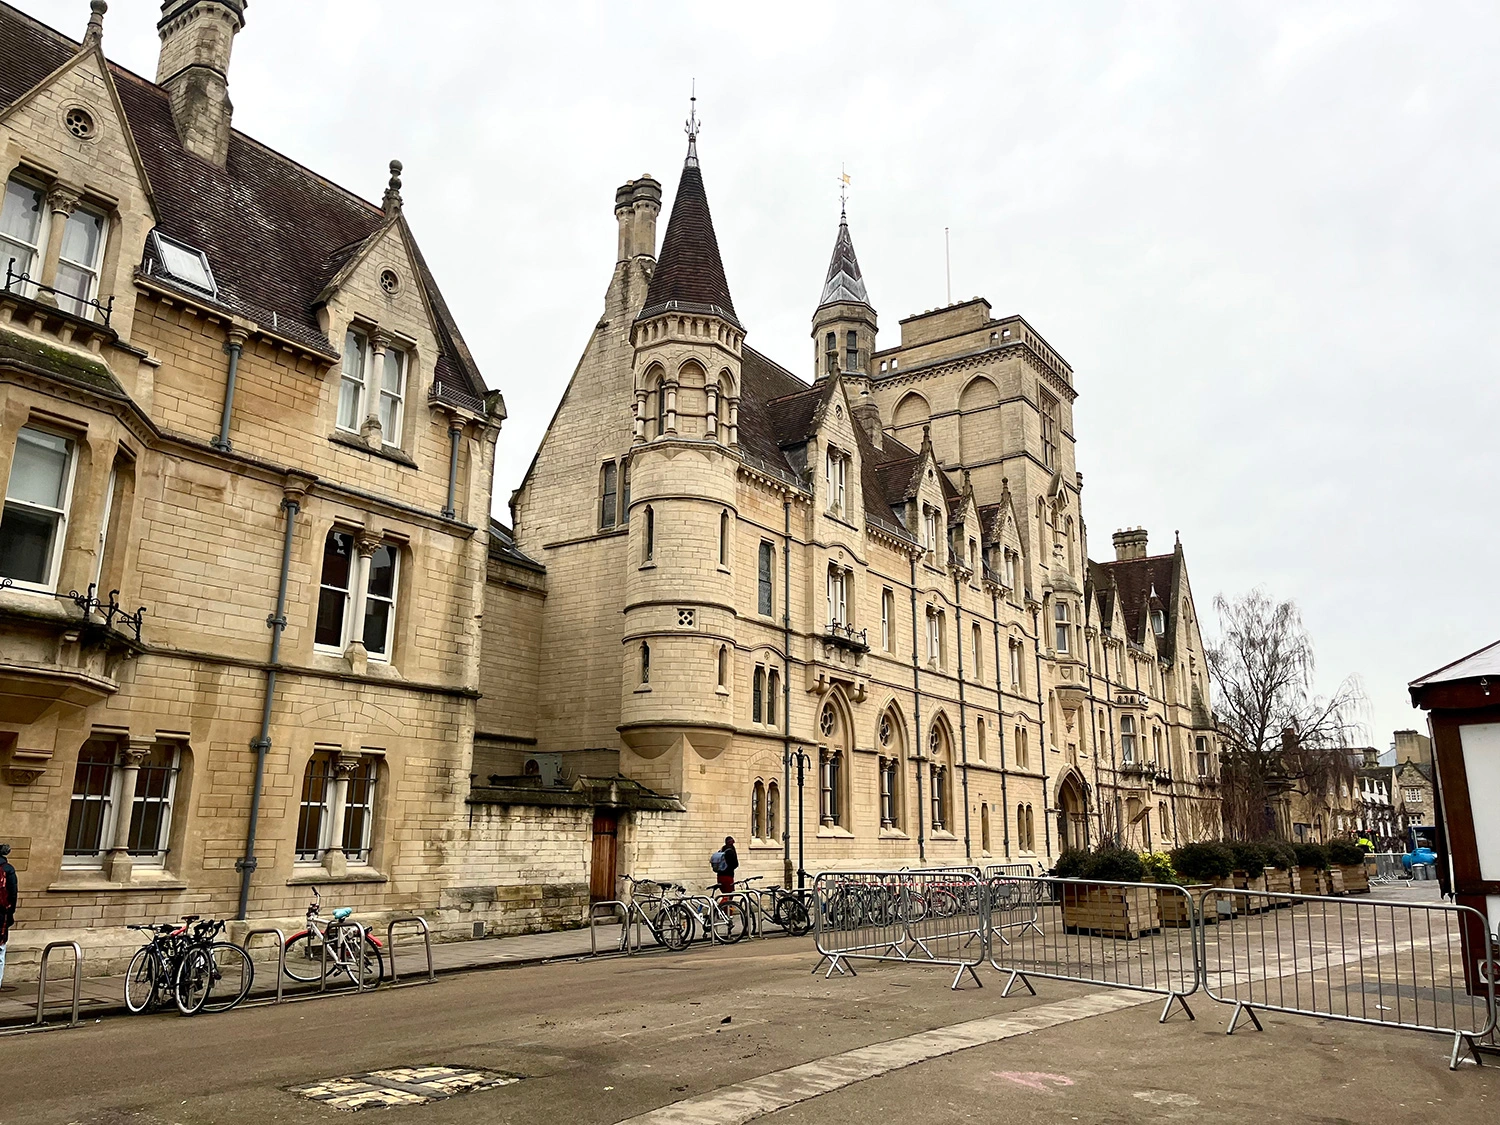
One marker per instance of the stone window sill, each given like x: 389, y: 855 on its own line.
x: 893, y: 834
x: 92, y: 880
x: 388, y: 452
x: 942, y: 834
x: 309, y: 876
x: 765, y: 845
x: 833, y: 832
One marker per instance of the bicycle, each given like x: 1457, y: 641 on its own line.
x: 207, y: 966
x: 305, y: 953
x: 152, y: 972
x: 670, y: 922
x: 721, y: 918
x: 788, y: 908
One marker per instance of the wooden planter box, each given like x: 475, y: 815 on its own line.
x: 1311, y: 881
x: 1245, y: 881
x: 1356, y: 878
x: 1335, y: 877
x: 1172, y: 908
x: 1279, y: 882
x: 1122, y: 912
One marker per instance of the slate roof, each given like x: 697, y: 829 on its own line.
x: 689, y: 273
x: 275, y: 233
x: 844, y: 283
x: 1135, y: 579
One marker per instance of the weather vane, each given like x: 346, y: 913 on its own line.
x: 692, y: 127
x: 843, y: 190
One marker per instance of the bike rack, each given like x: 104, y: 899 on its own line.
x: 280, y: 955
x: 41, y: 982
x: 334, y: 928
x: 617, y: 909
x: 390, y: 945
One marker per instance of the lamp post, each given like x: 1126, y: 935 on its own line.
x: 803, y: 759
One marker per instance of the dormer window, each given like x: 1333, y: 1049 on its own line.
x: 352, y: 381
x: 836, y: 475
x: 364, y: 391
x: 1010, y: 570
x: 974, y: 555
x: 78, y: 260
x: 1158, y: 622
x: 183, y: 264
x: 931, y: 518
x: 21, y: 221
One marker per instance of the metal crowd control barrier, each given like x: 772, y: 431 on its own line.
x: 41, y: 981
x: 417, y: 920
x: 1014, y: 902
x: 1139, y: 936
x: 280, y: 937
x: 617, y: 911
x: 928, y: 917
x: 1387, y: 866
x: 329, y: 936
x: 1390, y: 964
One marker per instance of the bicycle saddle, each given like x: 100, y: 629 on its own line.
x: 342, y: 912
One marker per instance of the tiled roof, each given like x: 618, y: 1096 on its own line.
x: 844, y: 283
x: 274, y: 232
x: 689, y: 274
x: 1136, y: 579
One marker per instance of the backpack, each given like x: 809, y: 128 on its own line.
x: 718, y: 862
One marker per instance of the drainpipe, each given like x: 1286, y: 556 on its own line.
x: 1114, y: 765
x: 1041, y: 720
x: 963, y: 722
x: 262, y: 744
x: 455, y: 431
x: 1088, y: 652
x: 786, y: 707
x: 1000, y: 708
x: 235, y: 347
x: 916, y: 696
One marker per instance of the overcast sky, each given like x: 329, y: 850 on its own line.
x: 1264, y: 235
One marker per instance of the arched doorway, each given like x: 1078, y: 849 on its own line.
x: 1072, y: 829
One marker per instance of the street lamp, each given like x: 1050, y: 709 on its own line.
x: 804, y: 761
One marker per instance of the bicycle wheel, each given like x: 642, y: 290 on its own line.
x: 195, y: 979
x: 374, y: 963
x: 304, y: 957
x: 142, y: 979
x: 794, y: 919
x: 942, y: 902
x: 233, y: 974
x: 727, y: 924
x: 674, y: 926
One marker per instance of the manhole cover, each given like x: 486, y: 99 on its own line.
x: 402, y: 1085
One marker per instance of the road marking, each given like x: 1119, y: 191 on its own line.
x: 743, y: 1101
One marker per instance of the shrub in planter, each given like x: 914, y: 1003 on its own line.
x: 1249, y: 858
x: 1115, y: 865
x: 1157, y: 867
x: 1345, y: 853
x: 1071, y: 864
x: 1203, y: 862
x: 1279, y: 855
x: 1311, y: 855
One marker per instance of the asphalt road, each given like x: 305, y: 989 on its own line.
x: 602, y: 1042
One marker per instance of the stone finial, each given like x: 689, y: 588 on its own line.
x: 95, y: 32
x: 392, y: 200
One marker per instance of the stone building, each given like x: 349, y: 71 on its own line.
x: 231, y: 394
x: 847, y: 619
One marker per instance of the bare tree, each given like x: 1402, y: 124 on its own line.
x: 1277, y: 736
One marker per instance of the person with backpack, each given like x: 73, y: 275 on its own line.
x: 9, y: 893
x: 724, y: 861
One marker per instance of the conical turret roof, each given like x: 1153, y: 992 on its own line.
x: 689, y: 274
x: 844, y: 284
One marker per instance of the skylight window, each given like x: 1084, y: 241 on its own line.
x: 183, y: 264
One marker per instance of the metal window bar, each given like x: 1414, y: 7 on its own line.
x: 313, y: 808
x: 359, y: 807
x: 151, y: 808
x: 88, y: 812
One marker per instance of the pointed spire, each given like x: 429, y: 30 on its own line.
x: 95, y: 33
x: 689, y: 275
x: 844, y: 284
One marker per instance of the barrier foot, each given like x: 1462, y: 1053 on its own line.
x: 835, y: 962
x: 1242, y: 1007
x: 962, y: 969
x: 1167, y: 1007
x: 1460, y: 1040
x: 1016, y: 976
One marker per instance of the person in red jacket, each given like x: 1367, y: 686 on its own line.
x: 727, y: 868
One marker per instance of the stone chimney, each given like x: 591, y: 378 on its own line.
x: 865, y: 410
x: 637, y: 204
x: 1130, y: 544
x: 196, y: 39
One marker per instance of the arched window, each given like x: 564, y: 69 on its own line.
x: 984, y: 827
x: 891, y: 742
x: 1127, y: 739
x: 1021, y: 828
x: 978, y: 661
x: 645, y: 664
x: 648, y: 548
x: 661, y: 407
x: 940, y: 771
x: 979, y: 728
x: 773, y: 811
x: 724, y: 538
x: 1030, y: 829
x: 1161, y: 818
x: 773, y: 696
x: 833, y: 762
x: 758, y: 811
x: 757, y: 693
x: 1156, y: 746
x: 723, y: 666
x: 765, y: 590
x: 831, y: 354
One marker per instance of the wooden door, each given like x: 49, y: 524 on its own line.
x: 602, y: 867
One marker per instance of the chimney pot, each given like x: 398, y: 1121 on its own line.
x: 1130, y: 544
x: 197, y: 37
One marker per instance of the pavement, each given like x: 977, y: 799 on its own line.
x: 722, y: 1035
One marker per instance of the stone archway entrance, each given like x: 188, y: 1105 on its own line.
x: 1072, y: 831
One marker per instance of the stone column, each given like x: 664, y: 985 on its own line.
x: 671, y: 389
x: 335, y: 862
x: 60, y: 201
x: 370, y: 430
x: 117, y: 865
x: 364, y: 547
x: 711, y: 419
x: 639, y: 433
x: 734, y: 421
